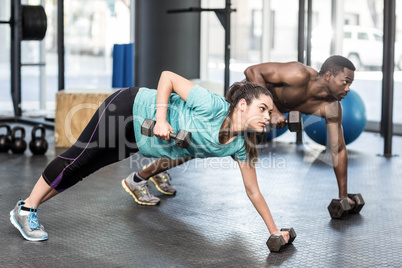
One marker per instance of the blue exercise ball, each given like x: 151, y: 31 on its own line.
x: 353, y: 121
x: 277, y: 132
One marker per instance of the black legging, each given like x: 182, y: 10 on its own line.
x: 108, y: 138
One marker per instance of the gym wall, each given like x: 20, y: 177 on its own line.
x: 166, y: 41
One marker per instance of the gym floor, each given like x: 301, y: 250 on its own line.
x: 211, y: 222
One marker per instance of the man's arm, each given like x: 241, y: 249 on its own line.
x: 337, y: 146
x: 292, y: 74
x: 289, y: 73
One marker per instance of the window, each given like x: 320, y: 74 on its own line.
x: 246, y: 38
x: 362, y: 36
x: 91, y: 29
x: 378, y: 37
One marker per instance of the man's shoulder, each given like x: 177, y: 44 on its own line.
x: 299, y: 73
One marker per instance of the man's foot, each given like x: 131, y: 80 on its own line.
x: 162, y: 182
x: 139, y: 191
x: 26, y: 221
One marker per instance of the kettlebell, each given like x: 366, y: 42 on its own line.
x: 18, y: 144
x: 5, y: 141
x: 38, y: 144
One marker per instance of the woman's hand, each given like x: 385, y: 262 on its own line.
x: 285, y: 235
x: 162, y: 130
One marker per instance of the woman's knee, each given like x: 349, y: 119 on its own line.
x: 61, y: 173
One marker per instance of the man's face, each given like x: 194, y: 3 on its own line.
x: 340, y: 84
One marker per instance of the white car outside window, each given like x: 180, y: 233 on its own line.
x: 362, y: 45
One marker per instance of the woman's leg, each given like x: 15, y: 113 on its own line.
x: 100, y: 144
x: 108, y: 138
x: 39, y: 192
x: 52, y: 193
x: 24, y: 215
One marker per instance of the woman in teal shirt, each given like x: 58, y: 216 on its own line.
x: 219, y: 128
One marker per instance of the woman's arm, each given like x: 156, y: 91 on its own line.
x: 253, y: 192
x: 168, y: 82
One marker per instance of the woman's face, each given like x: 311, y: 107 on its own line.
x: 257, y: 114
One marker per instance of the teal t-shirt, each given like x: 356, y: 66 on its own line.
x: 202, y: 115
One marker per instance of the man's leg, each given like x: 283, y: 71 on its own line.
x: 156, y: 172
x: 161, y: 165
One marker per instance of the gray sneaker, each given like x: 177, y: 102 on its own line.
x: 28, y: 225
x: 162, y: 182
x: 139, y: 191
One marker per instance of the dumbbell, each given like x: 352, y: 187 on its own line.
x: 18, y: 144
x: 358, y: 198
x: 294, y: 122
x: 340, y: 207
x: 38, y: 144
x: 5, y: 141
x: 276, y: 242
x: 182, y: 138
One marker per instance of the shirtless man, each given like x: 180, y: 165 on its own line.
x: 295, y: 87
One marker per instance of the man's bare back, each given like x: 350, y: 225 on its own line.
x: 296, y: 87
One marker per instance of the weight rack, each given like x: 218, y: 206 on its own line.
x: 27, y: 22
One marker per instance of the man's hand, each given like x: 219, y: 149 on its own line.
x: 278, y: 120
x: 351, y: 203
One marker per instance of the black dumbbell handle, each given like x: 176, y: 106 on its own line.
x: 147, y: 130
x: 172, y: 135
x: 286, y: 121
x: 290, y: 236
